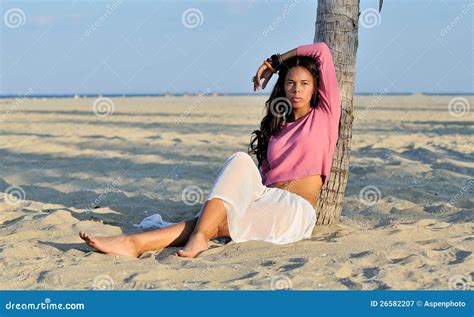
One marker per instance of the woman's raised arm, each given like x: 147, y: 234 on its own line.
x: 328, y: 87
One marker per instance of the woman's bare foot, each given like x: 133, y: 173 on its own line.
x: 197, y: 243
x: 120, y: 245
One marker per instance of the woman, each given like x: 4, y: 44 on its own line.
x: 294, y: 148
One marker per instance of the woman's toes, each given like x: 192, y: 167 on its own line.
x: 188, y: 254
x: 182, y: 253
x: 90, y: 240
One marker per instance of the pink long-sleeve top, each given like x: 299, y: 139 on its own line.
x: 305, y: 147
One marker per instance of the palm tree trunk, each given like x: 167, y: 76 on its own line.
x: 337, y: 25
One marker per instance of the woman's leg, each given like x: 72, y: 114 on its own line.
x: 239, y: 179
x: 238, y: 184
x: 136, y: 244
x: 212, y: 223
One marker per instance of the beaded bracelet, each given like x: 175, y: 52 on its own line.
x: 274, y: 62
x: 269, y: 66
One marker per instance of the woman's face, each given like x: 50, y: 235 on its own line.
x: 299, y: 86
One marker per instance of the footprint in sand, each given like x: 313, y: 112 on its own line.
x: 363, y: 258
x: 439, y: 226
x: 399, y: 255
x: 295, y: 263
x: 441, y: 251
x: 426, y: 222
x: 350, y: 284
x: 244, y: 277
x: 268, y: 263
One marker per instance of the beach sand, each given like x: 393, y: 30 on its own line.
x: 66, y: 169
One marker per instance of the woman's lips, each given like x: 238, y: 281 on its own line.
x: 296, y: 99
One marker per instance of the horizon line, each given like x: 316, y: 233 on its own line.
x: 213, y: 94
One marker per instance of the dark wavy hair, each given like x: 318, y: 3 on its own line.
x: 278, y: 107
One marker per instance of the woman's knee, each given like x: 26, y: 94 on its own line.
x: 246, y: 166
x: 242, y: 156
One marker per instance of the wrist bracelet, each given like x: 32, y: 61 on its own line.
x: 269, y: 66
x: 276, y: 61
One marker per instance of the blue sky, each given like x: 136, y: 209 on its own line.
x: 51, y: 47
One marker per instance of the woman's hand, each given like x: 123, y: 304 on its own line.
x: 262, y: 73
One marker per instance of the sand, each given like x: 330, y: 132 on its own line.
x: 65, y: 169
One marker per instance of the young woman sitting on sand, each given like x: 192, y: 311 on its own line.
x: 294, y: 148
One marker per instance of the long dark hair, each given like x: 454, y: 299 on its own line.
x: 278, y: 107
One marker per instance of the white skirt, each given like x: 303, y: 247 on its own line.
x: 254, y: 211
